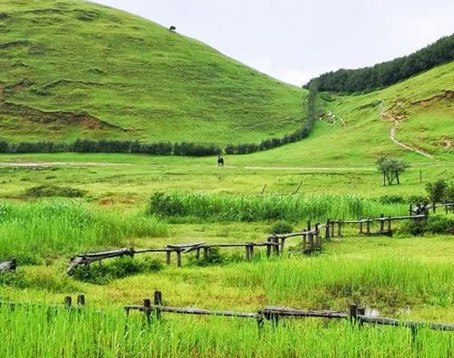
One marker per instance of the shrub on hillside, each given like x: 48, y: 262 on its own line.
x: 54, y: 190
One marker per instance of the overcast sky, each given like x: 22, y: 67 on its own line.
x: 295, y: 40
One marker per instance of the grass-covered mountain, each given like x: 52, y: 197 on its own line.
x: 73, y: 69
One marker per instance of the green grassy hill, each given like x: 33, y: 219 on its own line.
x: 72, y: 69
x: 356, y: 128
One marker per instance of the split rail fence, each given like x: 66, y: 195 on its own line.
x: 272, y: 313
x: 355, y: 314
x: 311, y: 237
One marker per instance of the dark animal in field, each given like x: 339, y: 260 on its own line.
x: 220, y: 161
x: 172, y: 28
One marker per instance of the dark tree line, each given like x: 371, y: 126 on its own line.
x: 111, y: 146
x: 387, y: 73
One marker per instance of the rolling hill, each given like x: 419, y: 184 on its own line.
x: 73, y: 69
x: 356, y: 129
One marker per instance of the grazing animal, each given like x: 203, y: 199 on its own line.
x: 172, y: 28
x: 220, y: 161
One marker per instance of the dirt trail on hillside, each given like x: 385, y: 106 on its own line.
x: 397, y: 120
x: 392, y: 136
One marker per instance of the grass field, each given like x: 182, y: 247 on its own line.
x: 77, y: 70
x: 403, y: 276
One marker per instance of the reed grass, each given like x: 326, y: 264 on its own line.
x: 294, y: 208
x: 39, y: 332
x: 31, y: 231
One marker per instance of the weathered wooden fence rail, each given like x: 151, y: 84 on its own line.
x: 312, y: 240
x: 271, y: 313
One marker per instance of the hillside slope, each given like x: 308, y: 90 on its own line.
x: 355, y: 129
x: 72, y: 69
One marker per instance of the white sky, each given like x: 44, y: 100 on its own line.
x: 295, y: 40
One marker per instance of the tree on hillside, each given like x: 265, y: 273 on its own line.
x: 391, y: 168
x: 437, y: 190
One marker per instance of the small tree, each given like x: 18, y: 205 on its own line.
x: 391, y: 168
x: 437, y: 190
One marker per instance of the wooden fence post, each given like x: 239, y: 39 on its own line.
x: 327, y: 229
x: 410, y: 210
x: 389, y: 225
x: 332, y: 227
x: 197, y: 253
x: 81, y: 300
x: 276, y: 244
x: 178, y: 258
x: 382, y: 223
x: 168, y: 253
x: 147, y: 309
x: 282, y: 244
x: 158, y: 302
x: 435, y: 207
x: 368, y: 226
x: 304, y: 243
x: 248, y: 255
x: 353, y: 312
x: 339, y: 228
x: 360, y: 226
x: 205, y: 252
x: 317, y: 233
x: 68, y: 301
x: 268, y: 247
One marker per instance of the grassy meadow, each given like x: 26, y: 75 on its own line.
x: 403, y: 276
x: 79, y: 70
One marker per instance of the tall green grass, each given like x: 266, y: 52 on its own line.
x: 34, y: 230
x: 37, y: 332
x: 269, y: 207
x: 332, y: 282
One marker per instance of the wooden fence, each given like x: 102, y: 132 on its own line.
x: 272, y: 313
x: 311, y: 239
x: 355, y: 314
x: 274, y: 244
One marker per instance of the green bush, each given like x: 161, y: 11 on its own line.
x: 418, y: 199
x: 281, y: 227
x: 440, y: 224
x: 118, y: 268
x: 435, y: 224
x: 214, y: 257
x: 165, y: 205
x: 54, y: 190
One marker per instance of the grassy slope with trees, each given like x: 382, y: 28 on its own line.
x: 368, y: 119
x: 77, y: 70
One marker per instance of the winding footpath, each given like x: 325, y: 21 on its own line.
x: 392, y: 132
